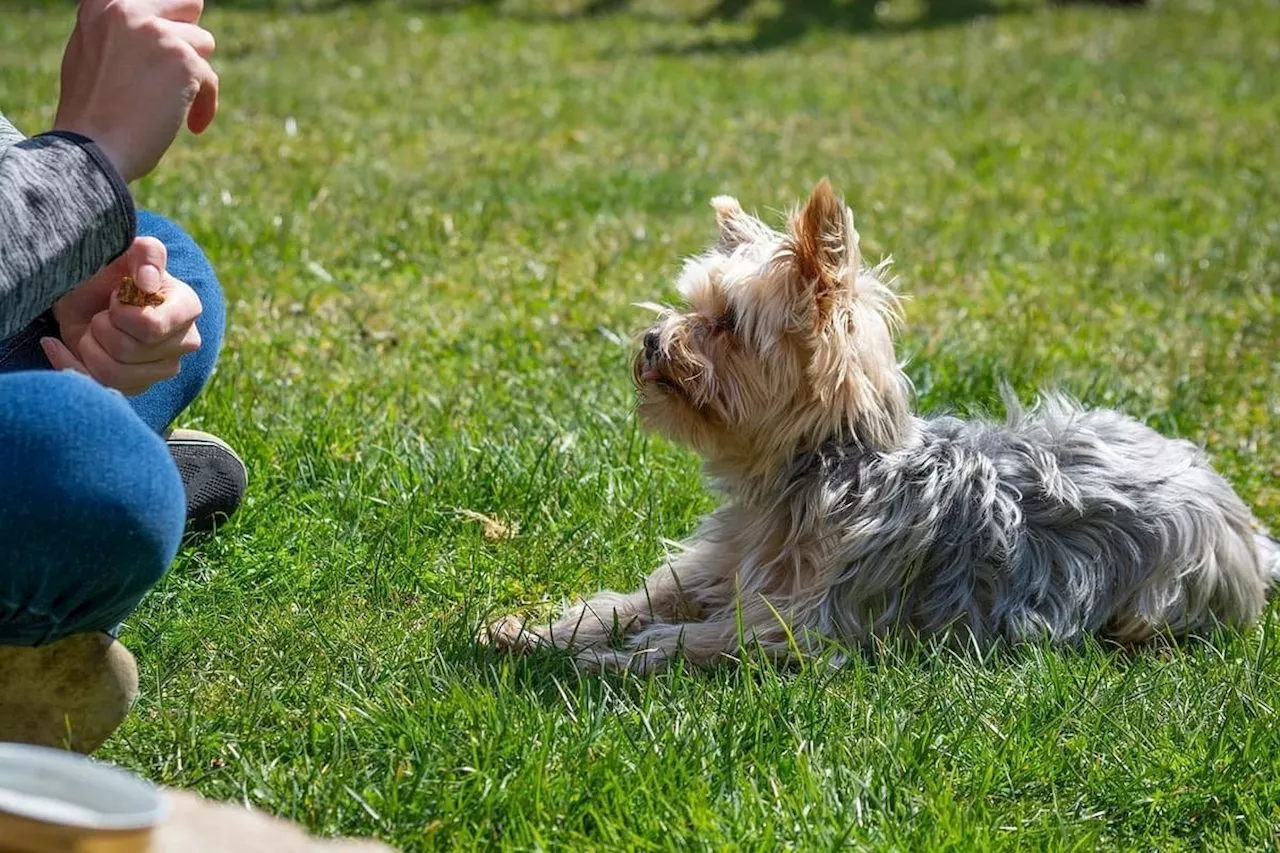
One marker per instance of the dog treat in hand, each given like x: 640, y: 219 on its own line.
x: 130, y: 294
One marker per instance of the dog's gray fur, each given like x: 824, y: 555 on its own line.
x: 1061, y: 523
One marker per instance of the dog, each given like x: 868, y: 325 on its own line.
x: 849, y: 518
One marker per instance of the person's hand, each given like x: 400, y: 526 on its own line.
x: 132, y: 72
x: 124, y: 346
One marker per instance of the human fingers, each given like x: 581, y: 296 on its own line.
x: 60, y: 357
x: 200, y: 39
x: 128, y: 379
x: 205, y: 105
x: 145, y: 260
x: 152, y: 324
x: 126, y: 349
x: 184, y: 11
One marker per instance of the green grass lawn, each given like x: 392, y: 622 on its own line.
x: 432, y: 223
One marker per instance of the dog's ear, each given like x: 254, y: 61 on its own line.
x: 824, y: 247
x: 736, y: 225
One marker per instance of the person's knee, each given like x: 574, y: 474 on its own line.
x: 92, y: 512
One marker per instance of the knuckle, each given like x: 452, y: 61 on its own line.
x: 118, y: 12
x: 148, y: 244
x: 153, y: 28
x: 150, y: 328
x: 177, y: 49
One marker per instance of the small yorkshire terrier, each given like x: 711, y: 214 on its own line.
x: 848, y: 518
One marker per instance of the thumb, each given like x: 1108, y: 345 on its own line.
x: 146, y: 260
x: 60, y: 357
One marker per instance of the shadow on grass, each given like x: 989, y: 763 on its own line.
x: 792, y: 22
x: 551, y: 678
x: 796, y: 19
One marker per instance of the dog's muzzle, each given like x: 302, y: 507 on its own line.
x: 652, y: 346
x: 647, y: 367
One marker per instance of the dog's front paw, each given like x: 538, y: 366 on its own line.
x: 511, y: 634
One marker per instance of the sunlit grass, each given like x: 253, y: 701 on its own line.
x: 432, y: 224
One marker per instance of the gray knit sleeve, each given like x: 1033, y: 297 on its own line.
x: 65, y: 213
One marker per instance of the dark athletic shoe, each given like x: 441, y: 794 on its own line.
x: 213, y: 477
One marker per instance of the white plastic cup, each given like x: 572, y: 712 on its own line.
x: 60, y: 802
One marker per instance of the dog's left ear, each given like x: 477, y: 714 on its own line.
x: 736, y: 225
x: 824, y: 247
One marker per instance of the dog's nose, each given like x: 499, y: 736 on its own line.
x: 651, y: 344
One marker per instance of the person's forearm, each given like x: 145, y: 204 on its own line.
x: 65, y: 213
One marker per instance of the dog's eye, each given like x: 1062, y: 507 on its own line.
x: 728, y: 321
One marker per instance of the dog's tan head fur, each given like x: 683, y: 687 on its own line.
x: 786, y: 341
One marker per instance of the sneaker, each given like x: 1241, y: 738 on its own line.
x: 213, y: 477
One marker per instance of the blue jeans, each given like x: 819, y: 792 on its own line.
x: 91, y: 506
